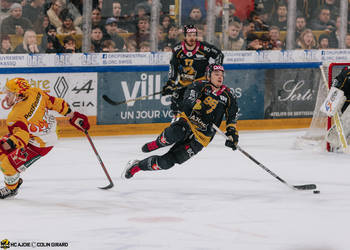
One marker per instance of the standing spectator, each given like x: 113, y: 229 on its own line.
x: 143, y: 31
x: 69, y: 45
x: 195, y: 16
x: 235, y: 42
x: 5, y: 45
x: 96, y: 20
x: 300, y: 25
x: 332, y: 5
x: 112, y: 32
x: 29, y: 44
x: 280, y: 19
x: 50, y: 36
x: 97, y: 38
x: 323, y: 41
x: 15, y: 23
x: 306, y: 40
x: 68, y: 28
x: 323, y: 21
x: 54, y: 13
x: 34, y: 10
x: 124, y: 25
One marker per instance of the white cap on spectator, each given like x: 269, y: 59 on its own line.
x: 15, y: 6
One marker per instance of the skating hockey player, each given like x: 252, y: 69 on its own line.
x: 205, y: 103
x: 32, y: 130
x: 188, y: 64
x: 338, y: 100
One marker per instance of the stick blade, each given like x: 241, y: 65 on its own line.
x: 109, y: 186
x: 305, y: 187
x: 110, y: 101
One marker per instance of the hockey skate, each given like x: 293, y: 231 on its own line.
x: 131, y: 169
x: 5, y: 192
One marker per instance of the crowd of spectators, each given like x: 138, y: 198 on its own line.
x: 55, y: 26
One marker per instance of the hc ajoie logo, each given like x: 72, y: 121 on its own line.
x: 5, y: 244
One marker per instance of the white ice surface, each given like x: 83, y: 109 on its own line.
x: 218, y: 200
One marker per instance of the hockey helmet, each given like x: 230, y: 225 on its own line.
x: 190, y: 29
x: 214, y: 67
x: 17, y: 85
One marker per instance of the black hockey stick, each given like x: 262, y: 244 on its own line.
x: 294, y: 187
x: 112, y: 102
x: 110, y: 185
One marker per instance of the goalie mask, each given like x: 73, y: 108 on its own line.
x: 15, y: 90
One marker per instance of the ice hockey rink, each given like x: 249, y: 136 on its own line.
x: 220, y: 199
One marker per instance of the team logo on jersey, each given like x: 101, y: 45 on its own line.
x: 189, y: 54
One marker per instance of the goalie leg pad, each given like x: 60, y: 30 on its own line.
x: 334, y: 101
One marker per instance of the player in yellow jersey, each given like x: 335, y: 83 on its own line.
x: 32, y: 130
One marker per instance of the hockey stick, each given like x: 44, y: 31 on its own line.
x: 112, y: 102
x: 294, y: 187
x: 110, y: 185
x: 337, y: 120
x: 115, y: 103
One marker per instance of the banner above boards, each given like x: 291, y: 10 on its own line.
x: 163, y: 58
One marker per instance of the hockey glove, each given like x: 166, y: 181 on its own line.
x: 80, y: 121
x: 168, y: 88
x: 6, y: 145
x: 232, y: 134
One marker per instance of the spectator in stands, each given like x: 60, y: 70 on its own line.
x: 323, y: 21
x: 108, y: 46
x: 171, y: 37
x: 34, y: 10
x: 333, y: 7
x: 124, y: 25
x: 131, y: 45
x: 97, y: 38
x: 166, y: 22
x: 300, y: 25
x: 306, y: 40
x: 253, y: 42
x: 280, y: 19
x: 5, y: 45
x: 259, y: 24
x: 145, y: 46
x: 274, y: 35
x: 75, y: 8
x: 347, y: 41
x: 68, y: 28
x: 54, y: 13
x: 96, y: 20
x: 15, y: 23
x: 143, y: 31
x: 112, y: 32
x: 5, y: 7
x: 248, y: 27
x: 40, y: 26
x: 142, y: 9
x: 334, y: 36
x: 323, y: 41
x: 29, y: 44
x: 50, y: 36
x: 195, y: 16
x: 69, y: 45
x: 235, y: 42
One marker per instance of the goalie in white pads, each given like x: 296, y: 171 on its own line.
x: 336, y: 106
